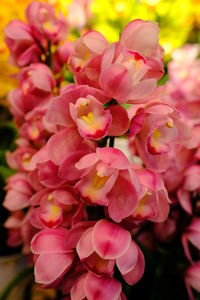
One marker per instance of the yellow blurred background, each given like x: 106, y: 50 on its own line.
x: 179, y: 21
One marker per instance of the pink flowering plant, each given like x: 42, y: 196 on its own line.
x: 100, y: 159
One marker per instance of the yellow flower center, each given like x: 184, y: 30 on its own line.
x: 89, y: 118
x: 34, y: 131
x: 49, y: 26
x: 99, y: 181
x: 54, y: 211
x: 169, y: 124
x: 156, y: 134
x: 50, y: 197
x: 26, y: 158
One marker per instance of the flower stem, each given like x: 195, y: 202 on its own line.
x: 112, y: 141
x: 49, y: 56
x: 15, y: 281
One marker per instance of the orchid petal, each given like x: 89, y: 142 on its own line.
x: 49, y: 241
x: 49, y: 267
x: 110, y: 241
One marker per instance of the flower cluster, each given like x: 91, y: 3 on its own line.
x: 183, y: 92
x: 182, y: 175
x: 76, y: 201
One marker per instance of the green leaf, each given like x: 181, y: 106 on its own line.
x: 5, y: 172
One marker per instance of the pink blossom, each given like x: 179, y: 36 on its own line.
x: 44, y: 23
x: 21, y: 43
x: 154, y: 202
x: 53, y: 260
x: 20, y: 158
x: 154, y: 129
x: 192, y: 235
x: 184, y: 70
x: 14, y: 225
x: 180, y: 159
x: 85, y: 63
x: 56, y: 171
x: 19, y: 192
x: 68, y: 145
x: 65, y: 148
x: 36, y: 88
x: 190, y: 185
x: 185, y: 200
x: 142, y: 37
x: 108, y: 172
x: 33, y: 127
x: 20, y: 231
x: 99, y: 288
x: 81, y: 107
x: 91, y: 119
x: 59, y: 110
x: 55, y: 207
x: 79, y: 13
x: 192, y: 279
x: 100, y: 251
x: 122, y: 74
x: 84, y: 200
x: 130, y: 68
x: 36, y: 81
x: 192, y: 178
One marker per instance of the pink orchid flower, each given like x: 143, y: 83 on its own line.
x: 123, y: 75
x: 101, y: 252
x: 19, y: 192
x: 79, y: 13
x: 14, y: 225
x: 190, y: 185
x: 34, y: 128
x: 53, y: 260
x: 184, y: 199
x: 55, y: 162
x: 81, y: 107
x: 20, y: 231
x: 36, y: 88
x: 192, y: 235
x: 51, y: 208
x: 183, y: 71
x: 46, y: 170
x: 192, y: 279
x: 154, y: 203
x: 180, y: 159
x: 154, y: 129
x: 142, y: 37
x: 85, y: 63
x: 192, y: 178
x: 21, y: 43
x: 20, y: 158
x: 36, y: 81
x: 44, y: 23
x: 91, y: 119
x: 89, y: 286
x: 109, y: 181
x: 68, y: 281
